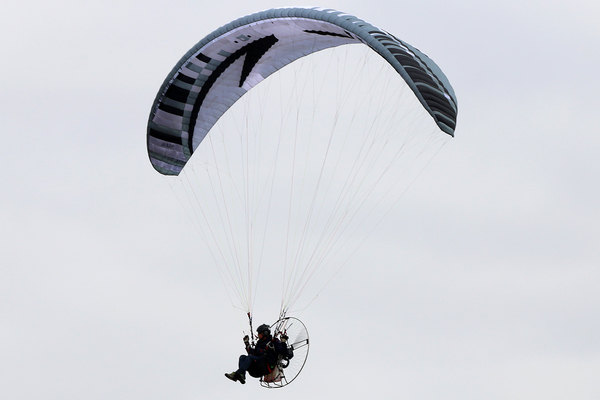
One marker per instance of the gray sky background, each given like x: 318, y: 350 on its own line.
x: 488, y: 271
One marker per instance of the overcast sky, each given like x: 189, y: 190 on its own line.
x: 488, y: 271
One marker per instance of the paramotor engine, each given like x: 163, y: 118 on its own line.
x: 288, y: 368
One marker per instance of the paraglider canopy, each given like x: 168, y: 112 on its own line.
x: 227, y: 63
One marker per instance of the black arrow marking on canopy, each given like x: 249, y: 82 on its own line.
x: 253, y: 51
x: 325, y: 33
